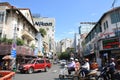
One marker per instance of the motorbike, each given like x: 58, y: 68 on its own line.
x: 104, y: 74
x: 64, y: 74
x: 91, y: 75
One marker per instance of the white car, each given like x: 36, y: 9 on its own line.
x: 63, y: 62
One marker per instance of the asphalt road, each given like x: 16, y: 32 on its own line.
x: 52, y: 74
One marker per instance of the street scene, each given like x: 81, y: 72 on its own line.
x: 59, y: 40
x: 52, y: 74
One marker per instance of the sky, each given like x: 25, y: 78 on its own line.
x: 67, y: 13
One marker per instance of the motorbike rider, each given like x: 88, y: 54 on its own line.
x: 71, y: 66
x: 94, y: 65
x: 77, y: 67
x: 111, y: 68
x: 85, y: 68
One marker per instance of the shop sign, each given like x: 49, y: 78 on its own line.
x: 43, y: 23
x: 109, y: 33
x: 13, y: 53
x: 111, y: 43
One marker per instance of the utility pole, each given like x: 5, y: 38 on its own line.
x: 13, y: 50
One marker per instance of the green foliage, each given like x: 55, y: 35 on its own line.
x: 64, y: 55
x: 69, y: 50
x: 6, y: 41
x: 33, y: 46
x: 42, y: 31
x: 20, y: 41
x: 9, y: 41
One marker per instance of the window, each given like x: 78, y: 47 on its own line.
x: 115, y: 17
x: 17, y: 29
x: 41, y: 61
x: 24, y: 26
x: 1, y: 16
x: 47, y: 61
x: 105, y: 24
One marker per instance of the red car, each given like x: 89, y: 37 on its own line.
x: 35, y: 65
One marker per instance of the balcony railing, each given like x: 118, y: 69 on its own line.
x: 28, y: 35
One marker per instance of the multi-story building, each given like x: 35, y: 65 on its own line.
x: 104, y: 38
x: 76, y: 42
x: 84, y: 29
x: 48, y: 24
x: 17, y: 23
x: 66, y: 43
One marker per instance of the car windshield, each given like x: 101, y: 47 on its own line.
x: 31, y: 62
x: 63, y: 60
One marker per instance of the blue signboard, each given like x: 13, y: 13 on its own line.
x: 13, y: 53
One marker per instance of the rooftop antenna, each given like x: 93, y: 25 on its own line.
x: 113, y: 3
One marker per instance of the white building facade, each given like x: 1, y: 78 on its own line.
x: 14, y: 24
x: 104, y: 38
x: 66, y: 43
x: 48, y: 24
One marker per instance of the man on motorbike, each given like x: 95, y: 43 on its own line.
x: 77, y: 67
x: 94, y: 65
x: 111, y: 68
x: 71, y: 66
x: 85, y: 68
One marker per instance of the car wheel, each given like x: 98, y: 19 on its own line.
x: 30, y: 70
x: 22, y: 71
x: 46, y: 69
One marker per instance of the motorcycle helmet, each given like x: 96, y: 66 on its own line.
x: 72, y: 59
x: 76, y: 59
x: 112, y: 59
x: 87, y: 59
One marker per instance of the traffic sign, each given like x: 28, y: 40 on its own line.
x: 13, y: 53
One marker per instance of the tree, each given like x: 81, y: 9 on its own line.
x: 42, y: 31
x: 20, y: 42
x: 64, y: 55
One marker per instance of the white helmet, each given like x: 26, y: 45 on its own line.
x: 112, y: 59
x: 71, y: 58
x: 76, y: 59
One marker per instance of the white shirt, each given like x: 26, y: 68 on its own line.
x: 86, y: 66
x: 72, y: 64
x: 112, y: 63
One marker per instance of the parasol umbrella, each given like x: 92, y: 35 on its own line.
x: 7, y: 57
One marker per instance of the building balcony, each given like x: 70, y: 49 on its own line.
x: 27, y: 35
